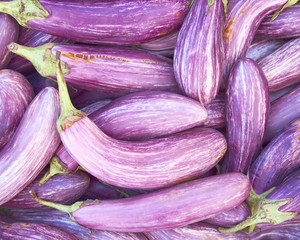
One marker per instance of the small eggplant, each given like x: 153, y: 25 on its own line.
x: 169, y: 208
x: 247, y: 108
x: 199, y: 52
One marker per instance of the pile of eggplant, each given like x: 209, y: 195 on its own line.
x: 149, y: 120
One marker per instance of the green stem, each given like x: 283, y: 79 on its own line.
x: 288, y: 4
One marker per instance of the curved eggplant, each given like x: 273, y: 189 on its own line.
x: 199, y: 52
x: 247, y: 108
x: 118, y: 22
x: 111, y: 70
x: 169, y: 208
x: 15, y: 95
x: 282, y: 67
x: 22, y: 159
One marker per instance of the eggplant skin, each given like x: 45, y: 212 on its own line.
x: 247, y: 109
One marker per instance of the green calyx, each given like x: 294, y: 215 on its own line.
x: 288, y: 4
x: 24, y: 10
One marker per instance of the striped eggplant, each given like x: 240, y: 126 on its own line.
x: 286, y: 25
x: 283, y: 111
x: 242, y: 22
x: 163, y: 43
x: 118, y: 22
x: 110, y: 70
x: 275, y: 95
x: 282, y: 67
x: 32, y: 231
x: 5, y: 220
x: 278, y: 159
x: 32, y: 145
x: 199, y: 52
x: 169, y: 208
x: 15, y: 95
x: 9, y: 32
x: 247, y: 108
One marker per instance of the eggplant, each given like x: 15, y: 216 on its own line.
x: 15, y: 95
x: 278, y: 159
x: 168, y: 208
x: 282, y: 67
x: 118, y: 22
x: 199, y: 52
x: 275, y: 95
x: 110, y: 70
x: 163, y: 43
x: 247, y: 108
x: 86, y: 98
x: 286, y: 25
x: 23, y: 158
x: 9, y: 32
x: 31, y: 231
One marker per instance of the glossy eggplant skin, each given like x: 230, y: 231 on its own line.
x: 278, y: 159
x: 9, y: 32
x: 247, y: 108
x: 199, y: 52
x: 286, y: 25
x: 23, y: 158
x: 163, y: 43
x: 32, y: 231
x: 15, y: 95
x: 283, y: 111
x: 282, y: 67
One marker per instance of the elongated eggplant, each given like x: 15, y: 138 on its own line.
x: 275, y: 95
x: 125, y: 22
x: 199, y: 52
x: 32, y: 145
x: 286, y: 25
x: 247, y: 108
x: 110, y: 70
x: 176, y: 206
x: 163, y: 43
x: 282, y: 67
x: 15, y: 95
x: 278, y: 159
x: 9, y: 32
x: 31, y: 231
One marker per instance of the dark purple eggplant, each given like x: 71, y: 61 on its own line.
x: 86, y: 98
x: 9, y: 32
x: 199, y: 52
x: 169, y: 208
x: 32, y: 145
x: 247, y: 108
x: 282, y: 67
x: 15, y: 95
x: 119, y: 22
x: 111, y: 70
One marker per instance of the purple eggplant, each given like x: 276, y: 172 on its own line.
x: 282, y: 67
x: 32, y: 145
x: 15, y: 95
x: 247, y: 108
x: 163, y: 43
x: 32, y: 231
x: 86, y: 98
x: 278, y: 159
x: 286, y: 25
x: 122, y: 22
x: 9, y: 32
x: 169, y: 208
x: 275, y: 95
x: 199, y: 52
x: 111, y: 70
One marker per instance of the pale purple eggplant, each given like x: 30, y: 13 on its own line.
x: 169, y: 208
x: 33, y: 231
x: 31, y: 38
x: 163, y: 43
x: 62, y: 188
x: 278, y: 159
x: 199, y: 52
x: 286, y: 25
x: 242, y: 22
x: 15, y: 95
x: 247, y: 108
x: 111, y: 70
x: 118, y: 22
x: 9, y: 32
x: 32, y: 145
x: 262, y: 48
x: 283, y: 111
x: 282, y: 67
